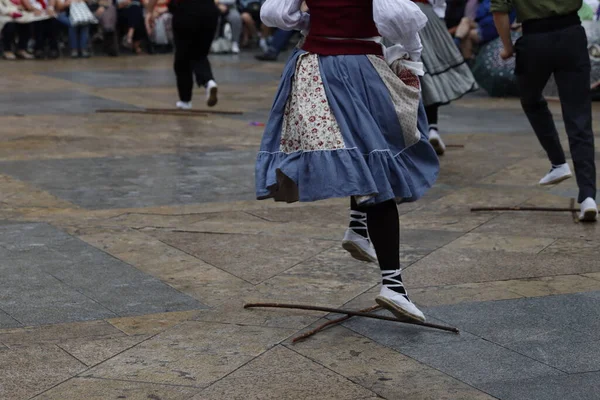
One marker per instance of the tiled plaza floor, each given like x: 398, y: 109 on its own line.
x: 129, y: 243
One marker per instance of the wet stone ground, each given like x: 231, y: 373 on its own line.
x: 129, y: 243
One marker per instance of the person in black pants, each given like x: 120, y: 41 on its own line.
x: 555, y: 43
x: 194, y: 26
x: 23, y: 31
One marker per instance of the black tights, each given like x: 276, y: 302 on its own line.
x: 432, y: 115
x: 384, y: 229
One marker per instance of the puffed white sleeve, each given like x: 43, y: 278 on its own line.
x: 398, y: 20
x: 285, y: 14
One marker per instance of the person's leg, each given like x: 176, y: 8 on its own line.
x: 8, y: 39
x: 39, y: 31
x: 432, y: 116
x: 52, y: 37
x: 24, y: 32
x: 280, y: 40
x: 533, y: 71
x: 384, y: 230
x: 201, y: 64
x: 434, y: 136
x: 249, y: 28
x: 573, y: 81
x: 84, y: 38
x: 356, y: 239
x: 183, y: 64
x: 235, y: 20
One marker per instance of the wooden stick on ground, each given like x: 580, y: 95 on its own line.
x: 144, y: 112
x: 200, y: 111
x: 517, y: 208
x: 332, y: 322
x: 351, y: 313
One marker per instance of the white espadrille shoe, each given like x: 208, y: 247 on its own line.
x: 357, y: 245
x: 393, y: 297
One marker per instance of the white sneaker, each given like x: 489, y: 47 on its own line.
x: 437, y: 142
x: 264, y: 46
x: 397, y: 303
x: 359, y: 246
x: 235, y: 48
x: 557, y: 174
x: 589, y: 211
x: 211, y: 93
x: 184, y: 105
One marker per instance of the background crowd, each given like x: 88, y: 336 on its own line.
x: 38, y: 29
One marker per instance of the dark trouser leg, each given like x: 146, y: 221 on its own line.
x: 24, y: 32
x: 533, y: 72
x: 432, y: 115
x: 201, y: 65
x: 39, y: 30
x: 573, y: 81
x: 8, y: 36
x: 183, y: 65
x: 52, y: 34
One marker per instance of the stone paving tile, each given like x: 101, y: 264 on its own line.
x: 94, y: 351
x: 147, y: 325
x: 68, y: 280
x: 191, y: 354
x: 381, y: 369
x: 516, y: 244
x: 139, y: 78
x: 138, y: 181
x: 479, y: 363
x: 254, y: 258
x: 331, y: 278
x: 47, y: 334
x: 457, y: 219
x: 53, y: 102
x: 283, y: 374
x: 540, y: 225
x: 578, y: 386
x: 6, y: 321
x: 520, y: 319
x: 399, y: 336
x: 31, y: 370
x: 104, y: 389
x: 451, y: 267
x: 39, y: 298
x: 182, y: 271
x: 465, y: 293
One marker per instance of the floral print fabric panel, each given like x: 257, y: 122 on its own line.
x: 308, y: 122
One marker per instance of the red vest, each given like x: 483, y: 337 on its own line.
x: 341, y: 19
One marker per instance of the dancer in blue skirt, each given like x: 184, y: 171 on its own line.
x: 344, y: 125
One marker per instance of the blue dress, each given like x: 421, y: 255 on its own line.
x: 351, y: 145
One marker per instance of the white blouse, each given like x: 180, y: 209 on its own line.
x: 399, y: 21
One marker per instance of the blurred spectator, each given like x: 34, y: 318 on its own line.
x: 455, y: 12
x: 250, y: 11
x: 280, y: 41
x: 22, y: 15
x: 131, y: 16
x: 106, y: 13
x: 76, y: 15
x: 162, y: 33
x: 231, y: 15
x: 45, y: 28
x: 479, y: 31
